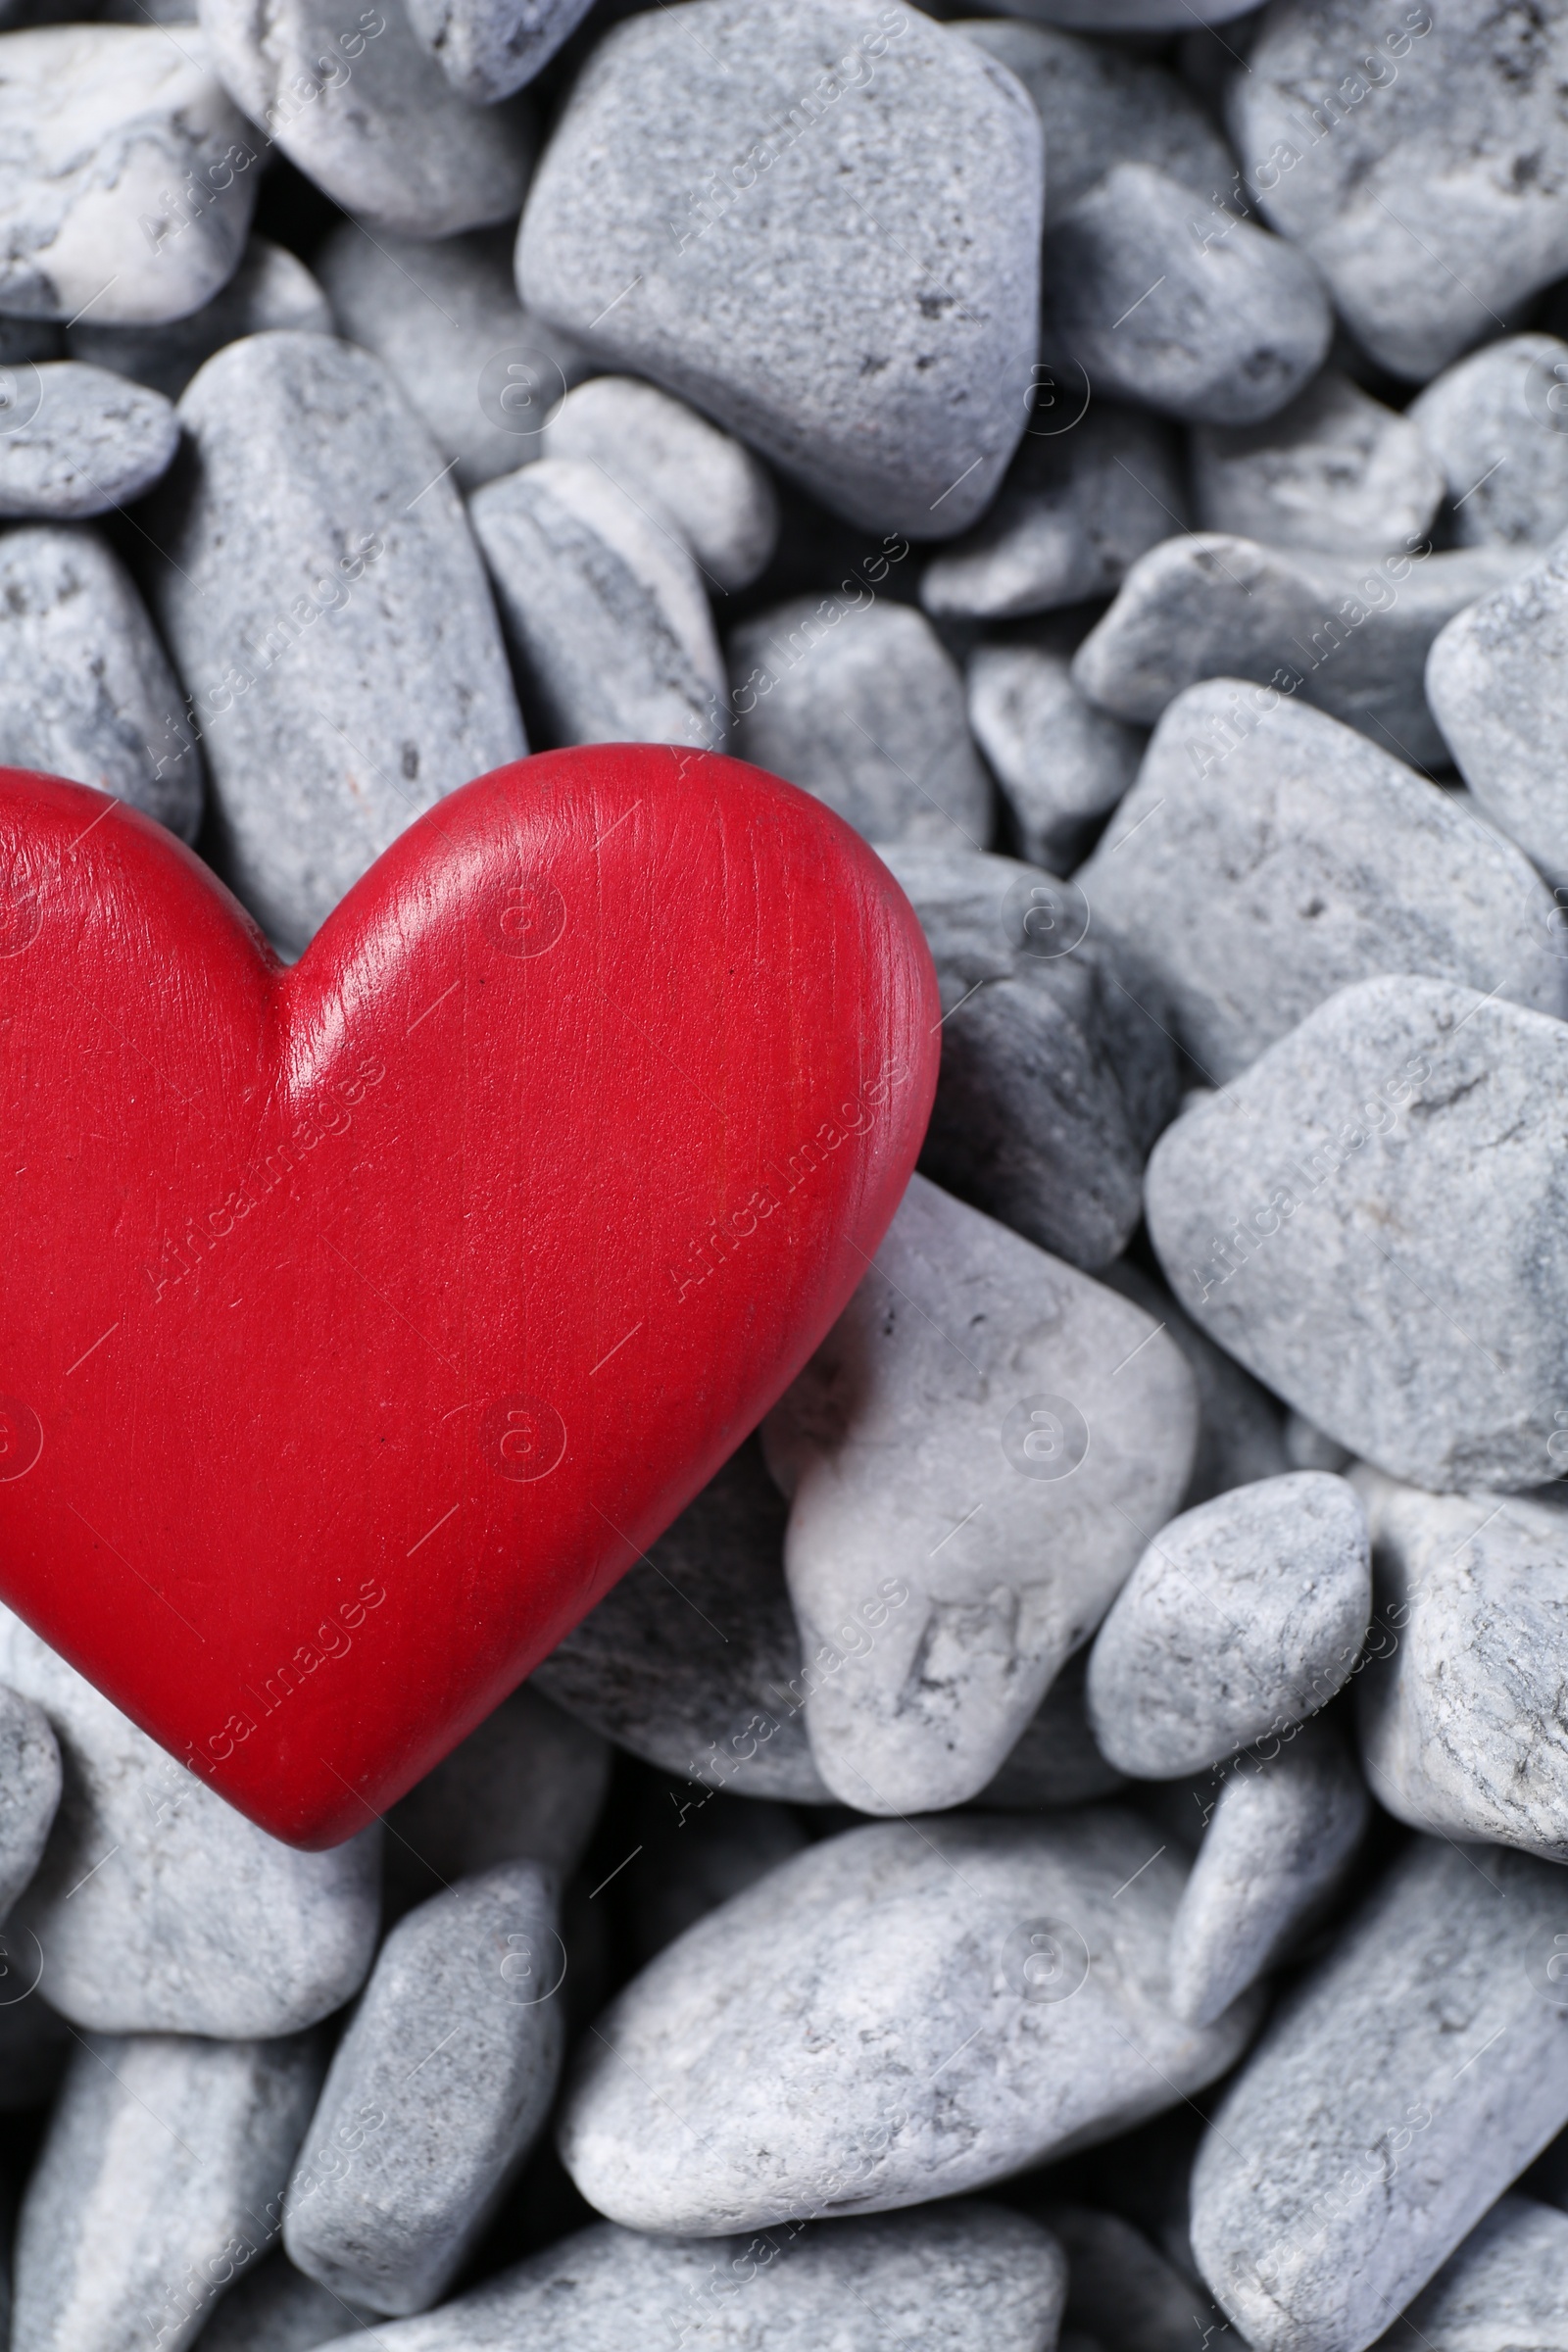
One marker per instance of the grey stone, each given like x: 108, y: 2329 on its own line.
x: 1060, y: 762
x: 489, y: 48
x: 271, y: 288
x: 1335, y: 472
x: 128, y: 174
x: 1367, y: 1219
x: 1078, y: 506
x: 703, y: 1849
x: 1496, y: 425
x: 275, y: 2308
x: 1494, y: 684
x: 1239, y: 1435
x: 740, y: 203
x: 1206, y: 319
x: 1506, y: 2286
x: 85, y: 688
x: 453, y: 2050
x: 673, y: 464
x: 1268, y: 856
x: 974, y: 1455
x: 1362, y: 140
x: 30, y: 1799
x: 859, y: 703
x: 1120, y: 2292
x: 1395, y: 2095
x: 81, y: 441
x: 351, y: 96
x: 1054, y: 1761
x: 468, y: 356
x: 1057, y: 1071
x: 158, y: 1908
x: 328, y: 612
x: 159, y: 2181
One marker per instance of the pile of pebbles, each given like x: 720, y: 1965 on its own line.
x: 1065, y: 1837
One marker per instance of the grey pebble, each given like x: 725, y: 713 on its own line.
x: 1335, y: 472
x: 346, y: 668
x: 274, y: 2308
x: 489, y: 48
x: 1493, y: 681
x: 1018, y: 2015
x: 29, y: 1797
x: 1496, y: 425
x: 702, y: 1849
x: 741, y: 202
x: 1060, y: 763
x: 271, y: 288
x: 1120, y: 2292
x: 1054, y: 1761
x: 81, y: 441
x: 1241, y: 1437
x: 1506, y: 2287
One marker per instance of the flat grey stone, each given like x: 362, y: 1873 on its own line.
x: 128, y: 174
x: 157, y: 1907
x: 489, y: 48
x: 1239, y: 1435
x: 1496, y: 425
x: 30, y: 1799
x: 322, y: 595
x: 1362, y: 141
x: 1395, y: 2095
x: 455, y: 2045
x: 354, y: 99
x: 703, y: 1849
x: 1506, y: 2286
x: 1057, y: 1071
x: 1367, y: 1219
x: 1220, y: 328
x: 82, y: 441
x: 1268, y: 856
x: 1054, y: 1761
x: 985, y: 1948
x: 1335, y: 472
x: 971, y: 1455
x: 861, y: 703
x: 1493, y: 681
x: 1059, y: 763
x: 739, y: 203
x: 1078, y: 506
x: 274, y: 2308
x: 271, y: 288
x: 1120, y: 2292
x: 160, y: 2181
x: 673, y: 464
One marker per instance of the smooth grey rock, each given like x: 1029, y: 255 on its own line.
x: 1395, y: 2095
x: 1268, y: 856
x: 1496, y: 425
x: 1157, y: 306
x: 861, y: 703
x: 1493, y: 683
x: 1367, y: 1217
x: 275, y: 2308
x: 160, y: 1910
x: 1060, y: 762
x: 325, y: 603
x: 740, y: 203
x: 702, y: 1849
x: 271, y: 288
x: 673, y: 464
x: 603, y: 608
x: 1054, y: 1761
x: 1240, y: 1436
x: 30, y: 1799
x: 160, y: 2181
x: 1120, y: 2292
x: 1282, y: 1834
x: 1351, y: 638
x: 85, y: 688
x: 489, y: 48
x: 1364, y: 141
x: 1079, y: 505
x: 975, y: 1455
x: 82, y: 441
x: 128, y: 176
x: 1057, y: 1071
x: 469, y: 359
x: 1334, y: 473
x: 351, y: 97
x: 457, y: 2045
x: 1506, y: 2286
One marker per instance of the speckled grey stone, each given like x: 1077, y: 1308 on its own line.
x: 1240, y: 1436
x: 1496, y: 425
x: 76, y: 440
x: 128, y: 174
x: 271, y: 288
x: 861, y: 703
x: 973, y: 1454
x: 1495, y: 684
x: 489, y: 48
x: 743, y: 201
x: 702, y: 1849
x: 1060, y: 762
x: 1395, y: 2095
x: 30, y: 1798
x: 274, y: 2308
x: 1268, y: 856
x: 1120, y: 2292
x: 1506, y: 2286
x: 1057, y: 1071
x: 330, y: 618
x: 1054, y: 1761
x: 159, y: 2181
x: 455, y: 2047
x: 1336, y: 471
x: 603, y: 608
x: 157, y: 1907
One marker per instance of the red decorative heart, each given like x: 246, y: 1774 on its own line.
x: 361, y: 1323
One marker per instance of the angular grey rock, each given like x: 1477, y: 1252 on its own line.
x: 1494, y: 684
x: 1079, y: 505
x: 1058, y: 762
x: 602, y: 609
x: 1119, y: 2291
x: 1055, y: 1077
x: 1163, y: 301
x: 468, y: 356
x: 1507, y: 2285
x: 160, y: 2181
x: 861, y: 703
x: 1395, y: 2095
x: 275, y: 2308
x: 1239, y: 1435
x: 158, y: 1908
x: 85, y: 688
x: 347, y: 670
x: 271, y: 288
x: 82, y: 441
x: 350, y: 95
x: 703, y: 1850
x: 436, y: 2092
x: 1361, y: 142
x: 128, y: 174
x: 1335, y: 472
x: 1497, y: 424
x: 1268, y: 856
x: 489, y: 48
x: 1367, y: 1219
x: 29, y: 1795
x: 739, y: 203
x: 1054, y: 1761
x: 971, y: 1454
x: 673, y: 463
x: 1018, y: 2016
